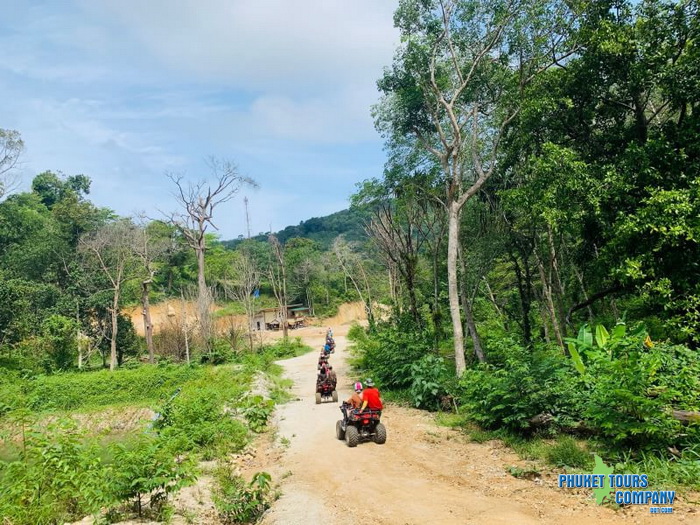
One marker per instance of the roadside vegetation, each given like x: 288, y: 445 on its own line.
x: 538, y: 220
x: 54, y: 467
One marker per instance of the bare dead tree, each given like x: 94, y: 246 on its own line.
x: 278, y: 278
x: 242, y: 286
x: 11, y: 148
x: 396, y: 235
x: 354, y: 270
x: 111, y: 248
x: 197, y: 202
x: 148, y: 249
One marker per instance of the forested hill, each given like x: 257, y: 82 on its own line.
x: 320, y: 229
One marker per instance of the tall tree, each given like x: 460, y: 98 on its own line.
x: 277, y: 272
x: 111, y: 248
x: 11, y: 147
x: 454, y: 86
x: 243, y: 285
x: 149, y: 245
x: 197, y: 202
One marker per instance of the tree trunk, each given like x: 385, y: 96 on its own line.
x: 203, y: 302
x: 285, y: 329
x: 147, y: 323
x: 453, y: 287
x: 524, y: 287
x: 547, y: 292
x: 469, y: 316
x: 115, y: 327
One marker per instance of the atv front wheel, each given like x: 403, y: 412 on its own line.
x: 335, y: 396
x: 380, y: 434
x: 339, y: 432
x: 318, y: 398
x: 352, y: 437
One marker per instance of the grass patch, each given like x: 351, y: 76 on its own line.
x: 524, y: 473
x: 84, y: 390
x: 665, y: 471
x: 566, y: 453
x: 451, y: 420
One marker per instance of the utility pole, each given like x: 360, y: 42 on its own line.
x: 247, y: 216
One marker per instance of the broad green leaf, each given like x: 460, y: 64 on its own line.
x: 601, y: 336
x: 619, y: 331
x: 576, y: 358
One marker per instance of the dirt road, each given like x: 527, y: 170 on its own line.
x: 423, y: 474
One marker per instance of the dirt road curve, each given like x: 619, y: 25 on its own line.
x: 424, y: 474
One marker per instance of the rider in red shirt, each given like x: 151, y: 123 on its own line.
x: 370, y: 397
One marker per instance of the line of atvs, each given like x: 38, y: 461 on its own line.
x: 356, y: 426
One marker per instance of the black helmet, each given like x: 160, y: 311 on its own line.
x: 369, y: 383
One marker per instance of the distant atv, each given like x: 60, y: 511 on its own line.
x: 359, y: 426
x: 322, y: 360
x: 326, y: 391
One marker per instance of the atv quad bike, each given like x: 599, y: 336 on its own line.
x: 322, y: 359
x: 357, y: 426
x: 326, y: 391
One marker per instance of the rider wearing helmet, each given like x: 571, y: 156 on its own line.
x: 322, y: 375
x: 370, y: 397
x: 331, y: 376
x: 355, y: 400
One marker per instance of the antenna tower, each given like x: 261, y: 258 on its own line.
x: 247, y: 216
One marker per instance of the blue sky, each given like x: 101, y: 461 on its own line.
x: 125, y: 91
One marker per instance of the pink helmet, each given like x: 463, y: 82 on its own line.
x: 358, y: 387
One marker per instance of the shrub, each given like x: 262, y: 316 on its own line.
x: 526, y: 385
x: 145, y: 466
x: 240, y: 502
x: 257, y: 411
x: 72, y: 390
x: 428, y: 378
x: 356, y: 333
x: 389, y: 354
x: 200, y: 415
x: 56, y: 479
x: 635, y: 384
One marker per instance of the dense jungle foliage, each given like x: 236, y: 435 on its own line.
x: 575, y: 126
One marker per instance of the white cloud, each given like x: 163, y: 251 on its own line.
x: 268, y: 45
x: 123, y: 90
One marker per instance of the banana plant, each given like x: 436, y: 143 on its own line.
x: 591, y: 342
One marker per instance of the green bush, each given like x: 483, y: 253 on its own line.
x: 238, y: 502
x: 634, y: 384
x: 526, y: 385
x: 428, y: 379
x: 257, y: 411
x: 200, y: 416
x: 74, y: 390
x: 356, y: 333
x: 56, y: 479
x: 389, y: 354
x: 633, y: 395
x: 146, y: 467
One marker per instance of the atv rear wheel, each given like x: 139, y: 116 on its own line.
x: 335, y: 396
x: 380, y: 434
x: 318, y: 398
x: 339, y: 432
x: 352, y: 436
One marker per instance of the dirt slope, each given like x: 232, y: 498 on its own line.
x: 423, y: 474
